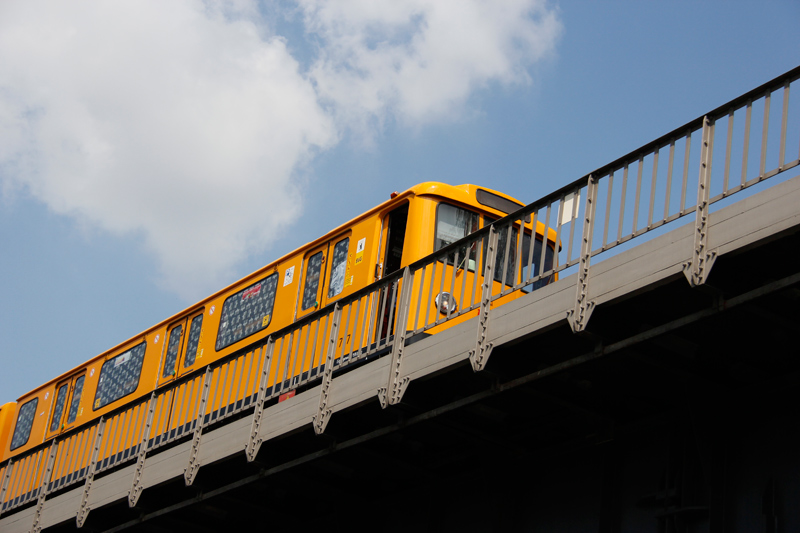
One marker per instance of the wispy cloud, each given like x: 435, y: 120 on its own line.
x: 187, y: 122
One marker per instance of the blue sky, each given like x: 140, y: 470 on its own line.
x: 153, y: 152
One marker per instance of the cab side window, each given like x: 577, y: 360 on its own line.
x: 22, y: 431
x: 453, y: 224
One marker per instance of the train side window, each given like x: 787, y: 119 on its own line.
x: 453, y: 224
x: 537, y: 257
x: 58, y: 407
x: 22, y: 431
x: 119, y: 376
x: 76, y: 400
x: 194, y: 341
x: 338, y: 267
x: 313, y: 272
x: 173, y: 347
x: 247, y: 312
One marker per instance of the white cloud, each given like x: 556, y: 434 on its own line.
x: 162, y: 118
x: 419, y: 61
x: 186, y: 122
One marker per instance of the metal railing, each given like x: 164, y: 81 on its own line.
x: 636, y: 194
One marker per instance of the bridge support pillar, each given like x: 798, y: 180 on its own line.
x: 579, y: 316
x: 396, y: 387
x: 698, y: 268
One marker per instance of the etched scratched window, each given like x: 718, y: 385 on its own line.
x: 338, y: 267
x: 312, y: 281
x: 247, y: 312
x: 193, y: 343
x: 22, y: 431
x: 173, y: 347
x: 119, y: 376
x: 76, y: 400
x: 58, y: 408
x: 453, y: 224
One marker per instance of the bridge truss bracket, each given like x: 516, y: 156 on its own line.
x: 699, y: 267
x: 83, y: 510
x: 397, y: 385
x: 4, y: 485
x: 254, y: 441
x: 136, y: 485
x: 44, y: 488
x: 483, y: 348
x: 579, y: 316
x: 190, y: 472
x: 320, y: 420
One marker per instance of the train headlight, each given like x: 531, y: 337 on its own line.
x: 445, y: 303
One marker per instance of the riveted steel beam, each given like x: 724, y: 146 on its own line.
x: 320, y: 420
x: 483, y: 349
x: 396, y: 387
x: 191, y: 469
x: 83, y: 510
x: 579, y: 316
x: 254, y: 442
x: 698, y: 268
x: 136, y: 485
x: 44, y: 488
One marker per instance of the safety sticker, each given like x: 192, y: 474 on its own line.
x: 288, y: 276
x: 360, y: 250
x: 265, y: 321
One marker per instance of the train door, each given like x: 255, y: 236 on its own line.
x: 394, y: 238
x: 313, y: 281
x: 183, y: 347
x: 66, y: 404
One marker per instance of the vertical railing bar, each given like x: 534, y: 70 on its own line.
x: 62, y: 453
x: 319, y: 357
x: 311, y: 365
x: 293, y: 356
x: 653, y: 188
x: 746, y: 148
x: 253, y: 357
x: 30, y: 470
x: 112, y: 438
x: 507, y: 253
x: 395, y: 289
x: 430, y: 292
x: 79, y: 454
x: 534, y: 237
x: 765, y: 131
x: 640, y: 166
x: 608, y: 209
x: 382, y: 295
x: 419, y: 297
x: 6, y: 480
x: 559, y: 217
x: 441, y: 288
x: 478, y: 249
x: 17, y: 476
x: 728, y: 155
x: 230, y: 369
x: 373, y: 313
x: 305, y: 349
x: 286, y: 360
x: 684, y: 185
x: 453, y: 281
x: 518, y: 255
x: 467, y: 252
x: 545, y: 240
x: 217, y: 393
x: 180, y: 407
x: 621, y: 202
x: 670, y: 167
x: 344, y: 333
x: 241, y: 373
x: 784, y: 126
x: 363, y: 318
x: 126, y: 429
x: 235, y: 364
x: 576, y: 199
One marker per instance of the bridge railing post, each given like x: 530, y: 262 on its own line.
x: 579, y: 316
x: 702, y: 259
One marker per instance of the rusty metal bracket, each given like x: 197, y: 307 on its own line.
x: 136, y: 486
x: 697, y: 270
x: 320, y: 420
x: 579, y: 316
x: 396, y: 387
x: 254, y: 442
x: 44, y: 488
x: 483, y: 349
x: 191, y: 469
x: 83, y: 510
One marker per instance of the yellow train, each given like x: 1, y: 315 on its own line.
x: 174, y: 355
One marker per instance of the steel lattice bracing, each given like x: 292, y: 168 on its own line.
x: 618, y: 398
